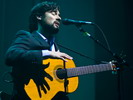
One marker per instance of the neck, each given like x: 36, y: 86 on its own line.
x: 47, y: 33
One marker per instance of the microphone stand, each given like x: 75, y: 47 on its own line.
x: 119, y: 59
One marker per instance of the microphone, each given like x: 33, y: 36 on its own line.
x: 76, y: 22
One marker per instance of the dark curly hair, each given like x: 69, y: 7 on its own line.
x: 39, y: 10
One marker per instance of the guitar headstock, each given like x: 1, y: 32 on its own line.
x: 115, y: 66
x: 118, y: 65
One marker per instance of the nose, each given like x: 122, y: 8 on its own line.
x: 59, y: 18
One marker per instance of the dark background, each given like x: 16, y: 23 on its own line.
x: 115, y: 19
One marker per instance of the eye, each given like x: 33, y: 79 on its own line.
x: 53, y: 13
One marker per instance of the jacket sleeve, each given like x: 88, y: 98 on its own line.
x: 23, y: 51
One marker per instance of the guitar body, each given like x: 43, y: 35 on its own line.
x: 56, y: 85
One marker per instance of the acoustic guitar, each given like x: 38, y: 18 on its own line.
x: 60, y: 71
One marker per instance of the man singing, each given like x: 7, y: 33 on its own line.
x: 28, y: 49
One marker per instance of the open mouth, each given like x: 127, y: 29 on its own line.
x: 57, y: 23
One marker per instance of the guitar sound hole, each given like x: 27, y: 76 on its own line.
x: 61, y: 73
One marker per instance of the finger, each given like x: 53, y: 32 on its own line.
x: 66, y: 56
x: 43, y: 88
x: 46, y: 84
x: 49, y: 77
x: 63, y: 59
x: 45, y: 66
x: 39, y: 92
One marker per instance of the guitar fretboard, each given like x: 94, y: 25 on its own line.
x: 72, y: 72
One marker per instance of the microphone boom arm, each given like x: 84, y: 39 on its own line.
x: 117, y: 57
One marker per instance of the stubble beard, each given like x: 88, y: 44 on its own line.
x: 50, y: 29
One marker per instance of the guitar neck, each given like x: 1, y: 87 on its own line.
x: 72, y: 72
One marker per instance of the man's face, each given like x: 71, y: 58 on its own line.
x: 51, y: 20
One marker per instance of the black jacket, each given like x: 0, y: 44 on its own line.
x: 25, y: 57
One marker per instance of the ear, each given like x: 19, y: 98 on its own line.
x: 39, y: 17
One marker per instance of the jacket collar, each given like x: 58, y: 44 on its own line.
x: 39, y: 38
x: 42, y: 41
